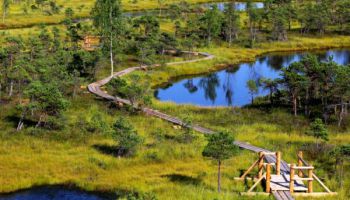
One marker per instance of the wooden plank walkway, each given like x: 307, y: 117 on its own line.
x: 95, y: 88
x: 281, y: 182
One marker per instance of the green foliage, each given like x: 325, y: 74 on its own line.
x: 188, y: 134
x: 318, y: 130
x: 142, y: 196
x: 254, y: 16
x: 318, y: 86
x: 108, y: 19
x: 126, y: 136
x: 231, y: 24
x: 136, y: 89
x: 253, y: 88
x: 220, y: 146
x: 211, y: 23
x: 46, y: 98
x: 342, y: 151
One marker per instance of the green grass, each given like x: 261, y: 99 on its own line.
x: 17, y: 18
x: 170, y: 169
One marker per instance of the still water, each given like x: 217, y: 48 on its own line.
x: 228, y: 87
x: 53, y: 193
x: 240, y: 6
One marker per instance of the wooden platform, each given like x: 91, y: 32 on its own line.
x: 282, y: 195
x: 281, y: 182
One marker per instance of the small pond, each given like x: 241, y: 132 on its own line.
x: 240, y: 6
x: 54, y: 193
x: 228, y: 87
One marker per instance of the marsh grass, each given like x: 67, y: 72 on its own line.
x: 163, y: 165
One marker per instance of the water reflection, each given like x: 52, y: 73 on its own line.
x: 228, y: 87
x: 209, y: 84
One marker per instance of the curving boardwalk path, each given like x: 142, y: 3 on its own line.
x: 95, y: 88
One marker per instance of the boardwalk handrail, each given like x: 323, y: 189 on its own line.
x: 301, y: 161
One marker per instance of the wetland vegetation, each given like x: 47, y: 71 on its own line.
x: 53, y: 132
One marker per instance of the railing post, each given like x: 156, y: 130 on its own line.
x: 309, y: 185
x: 261, y: 164
x: 278, y: 163
x: 291, y: 183
x: 300, y: 163
x: 268, y: 177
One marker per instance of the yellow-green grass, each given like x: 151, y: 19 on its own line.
x: 42, y: 160
x: 69, y: 156
x: 17, y: 18
x: 159, y: 166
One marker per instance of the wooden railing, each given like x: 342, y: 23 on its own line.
x: 311, y: 176
x: 294, y: 178
x: 261, y: 166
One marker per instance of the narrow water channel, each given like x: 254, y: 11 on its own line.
x: 228, y: 87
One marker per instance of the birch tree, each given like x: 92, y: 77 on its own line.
x: 108, y: 19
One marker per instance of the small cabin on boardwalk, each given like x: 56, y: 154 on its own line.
x: 90, y: 42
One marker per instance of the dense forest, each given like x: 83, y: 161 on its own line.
x: 48, y: 60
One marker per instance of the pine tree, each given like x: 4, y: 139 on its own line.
x: 220, y: 147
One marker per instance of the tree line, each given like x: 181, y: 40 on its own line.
x: 317, y: 89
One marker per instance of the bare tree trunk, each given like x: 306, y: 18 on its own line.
x: 20, y: 91
x: 11, y: 89
x: 20, y: 123
x: 111, y: 42
x: 295, y: 105
x: 160, y: 9
x: 271, y: 92
x: 39, y: 122
x: 219, y: 176
x: 341, y: 114
x: 230, y: 40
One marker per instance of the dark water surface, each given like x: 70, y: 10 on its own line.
x: 54, y: 193
x: 228, y: 87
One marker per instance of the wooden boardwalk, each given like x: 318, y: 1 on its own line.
x: 279, y: 183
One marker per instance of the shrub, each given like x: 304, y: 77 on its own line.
x: 127, y: 137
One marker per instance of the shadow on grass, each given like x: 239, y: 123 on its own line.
x: 107, y: 149
x: 183, y: 179
x: 112, y: 150
x: 15, y: 119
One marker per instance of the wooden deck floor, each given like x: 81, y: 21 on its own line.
x: 281, y: 182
